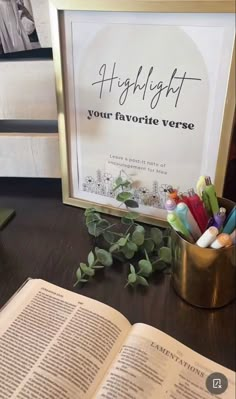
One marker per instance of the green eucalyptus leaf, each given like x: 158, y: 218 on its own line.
x: 89, y: 272
x: 122, y: 241
x: 99, y: 232
x: 132, y: 246
x: 138, y: 237
x: 148, y: 245
x: 92, y: 229
x: 156, y: 235
x: 165, y: 254
x: 132, y: 215
x: 132, y: 278
x: 104, y: 257
x: 140, y: 228
x: 108, y: 237
x: 78, y: 274
x: 114, y: 247
x: 159, y: 265
x: 142, y: 281
x: 83, y: 280
x: 124, y: 220
x: 132, y: 268
x: 128, y: 254
x: 83, y: 266
x: 123, y: 196
x: 103, y: 224
x: 89, y: 210
x: 92, y: 218
x: 131, y: 203
x: 145, y: 267
x: 91, y: 258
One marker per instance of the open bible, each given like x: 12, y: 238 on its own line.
x: 56, y: 344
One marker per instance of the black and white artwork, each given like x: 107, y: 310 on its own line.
x: 17, y: 26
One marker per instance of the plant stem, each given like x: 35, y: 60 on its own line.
x: 131, y: 225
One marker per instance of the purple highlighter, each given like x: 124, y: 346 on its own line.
x: 170, y: 205
x: 219, y: 218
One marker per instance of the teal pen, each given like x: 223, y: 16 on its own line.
x: 178, y: 226
x: 211, y: 194
x: 186, y: 217
x: 230, y: 223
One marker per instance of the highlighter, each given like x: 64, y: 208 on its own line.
x: 188, y: 220
x: 198, y: 210
x: 201, y: 184
x: 219, y: 218
x: 184, y: 198
x: 173, y: 194
x: 200, y: 189
x: 178, y: 226
x: 206, y: 202
x: 230, y: 223
x: 211, y: 194
x: 208, y: 237
x: 222, y: 240
x: 170, y: 205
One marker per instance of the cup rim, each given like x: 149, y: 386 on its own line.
x: 207, y: 248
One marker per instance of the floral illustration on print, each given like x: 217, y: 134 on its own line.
x: 103, y: 184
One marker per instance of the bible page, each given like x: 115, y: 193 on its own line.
x: 56, y: 344
x: 153, y: 365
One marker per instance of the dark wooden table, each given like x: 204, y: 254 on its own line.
x: 47, y: 240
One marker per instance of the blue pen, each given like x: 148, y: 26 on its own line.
x: 230, y: 223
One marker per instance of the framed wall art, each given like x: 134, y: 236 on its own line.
x: 145, y: 89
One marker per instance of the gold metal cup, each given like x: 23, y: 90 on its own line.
x: 204, y: 277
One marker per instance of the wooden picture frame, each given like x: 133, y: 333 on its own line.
x: 146, y: 46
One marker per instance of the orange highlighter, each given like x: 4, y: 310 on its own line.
x: 198, y: 210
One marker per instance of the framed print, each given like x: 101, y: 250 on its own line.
x: 145, y: 89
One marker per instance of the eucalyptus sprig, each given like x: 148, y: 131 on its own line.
x: 101, y: 259
x: 128, y: 240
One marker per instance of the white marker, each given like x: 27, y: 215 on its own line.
x: 222, y: 240
x: 208, y: 237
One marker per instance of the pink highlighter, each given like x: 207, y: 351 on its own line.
x: 184, y: 198
x: 199, y: 212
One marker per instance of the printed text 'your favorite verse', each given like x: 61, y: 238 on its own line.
x: 147, y: 120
